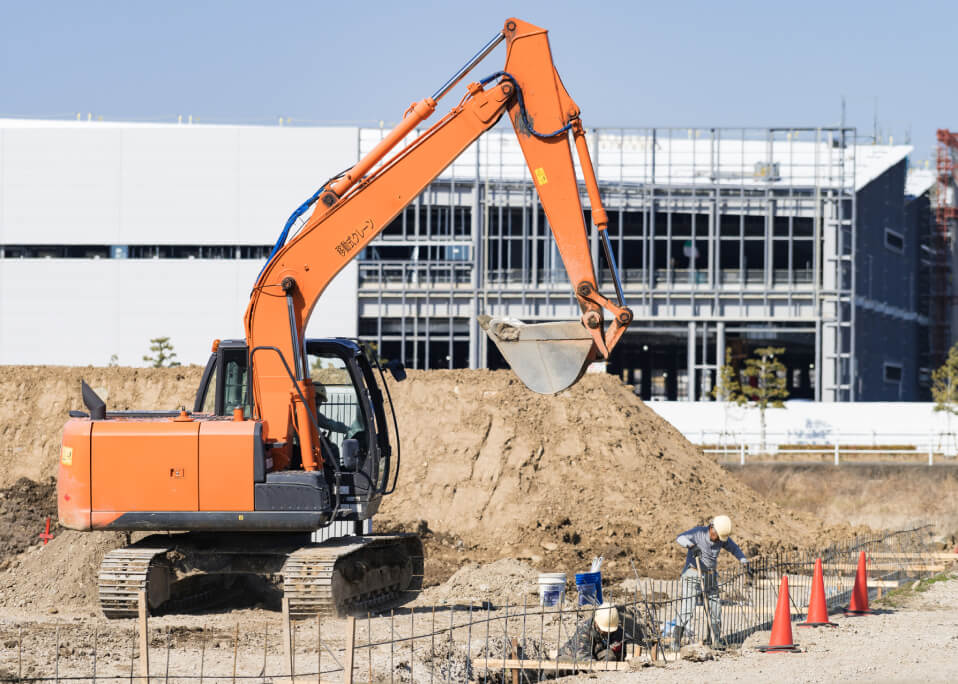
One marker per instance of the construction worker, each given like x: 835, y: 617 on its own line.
x: 703, y: 544
x: 597, y: 637
x: 326, y: 423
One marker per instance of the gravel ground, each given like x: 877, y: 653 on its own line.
x: 912, y: 639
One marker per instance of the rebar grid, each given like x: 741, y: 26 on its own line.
x: 460, y: 642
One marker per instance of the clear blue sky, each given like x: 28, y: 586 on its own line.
x: 626, y: 63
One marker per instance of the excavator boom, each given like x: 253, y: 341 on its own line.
x: 354, y: 208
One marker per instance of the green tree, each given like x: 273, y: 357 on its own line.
x: 764, y: 383
x: 944, y: 391
x: 727, y: 387
x: 162, y: 353
x: 727, y: 390
x: 944, y: 384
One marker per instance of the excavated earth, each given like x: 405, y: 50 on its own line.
x: 25, y: 507
x: 490, y: 470
x: 495, y: 471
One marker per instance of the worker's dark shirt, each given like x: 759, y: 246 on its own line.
x: 589, y: 643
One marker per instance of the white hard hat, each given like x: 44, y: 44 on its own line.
x: 606, y: 618
x: 723, y: 526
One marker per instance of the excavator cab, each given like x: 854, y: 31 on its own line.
x: 348, y: 408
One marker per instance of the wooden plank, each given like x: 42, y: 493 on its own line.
x: 287, y: 639
x: 849, y: 579
x: 878, y: 567
x: 554, y: 665
x: 144, y: 636
x: 350, y: 650
x: 935, y: 555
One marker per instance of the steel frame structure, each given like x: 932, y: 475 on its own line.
x: 715, y: 230
x: 946, y: 215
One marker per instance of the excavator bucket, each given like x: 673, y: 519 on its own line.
x: 547, y: 357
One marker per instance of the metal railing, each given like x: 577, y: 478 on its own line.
x: 863, y: 448
x: 379, y: 273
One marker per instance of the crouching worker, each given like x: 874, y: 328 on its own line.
x: 597, y: 637
x: 703, y: 545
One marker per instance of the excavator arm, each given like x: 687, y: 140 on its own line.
x: 356, y: 206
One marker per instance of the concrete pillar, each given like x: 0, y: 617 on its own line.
x: 476, y: 359
x: 690, y: 384
x: 816, y: 375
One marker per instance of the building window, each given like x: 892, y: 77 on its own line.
x: 894, y: 241
x: 893, y: 372
x: 138, y: 251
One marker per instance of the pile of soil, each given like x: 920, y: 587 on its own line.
x: 60, y: 575
x: 489, y: 469
x: 556, y: 480
x: 24, y: 510
x: 504, y: 580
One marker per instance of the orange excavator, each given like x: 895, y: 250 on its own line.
x: 260, y: 463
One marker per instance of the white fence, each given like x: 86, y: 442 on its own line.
x: 808, y: 431
x: 855, y: 448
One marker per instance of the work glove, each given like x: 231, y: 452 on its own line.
x: 696, y: 553
x: 749, y: 569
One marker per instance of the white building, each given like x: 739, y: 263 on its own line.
x: 114, y: 233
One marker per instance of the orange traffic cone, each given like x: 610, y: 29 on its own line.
x: 781, y: 639
x: 859, y: 602
x: 817, y: 607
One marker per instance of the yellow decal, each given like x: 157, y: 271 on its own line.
x: 540, y: 174
x: 66, y: 456
x: 240, y: 516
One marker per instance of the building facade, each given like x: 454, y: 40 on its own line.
x: 726, y: 238
x: 795, y: 238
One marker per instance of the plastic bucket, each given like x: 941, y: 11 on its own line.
x: 589, y: 585
x: 551, y: 588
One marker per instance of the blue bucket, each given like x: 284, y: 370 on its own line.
x: 589, y: 585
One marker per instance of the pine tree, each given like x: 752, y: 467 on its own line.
x: 944, y: 389
x: 944, y: 384
x: 163, y: 353
x: 727, y: 390
x: 769, y: 388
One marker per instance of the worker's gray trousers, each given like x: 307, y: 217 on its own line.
x: 691, y: 589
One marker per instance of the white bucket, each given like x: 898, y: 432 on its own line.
x: 551, y: 588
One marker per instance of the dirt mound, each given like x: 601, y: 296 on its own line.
x: 559, y: 479
x: 60, y: 576
x: 503, y: 580
x: 36, y: 400
x: 496, y: 471
x: 24, y: 509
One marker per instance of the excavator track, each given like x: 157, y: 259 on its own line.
x: 352, y: 574
x: 125, y: 572
x: 339, y: 576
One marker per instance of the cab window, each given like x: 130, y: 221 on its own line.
x: 235, y: 382
x: 209, y: 399
x: 337, y: 402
